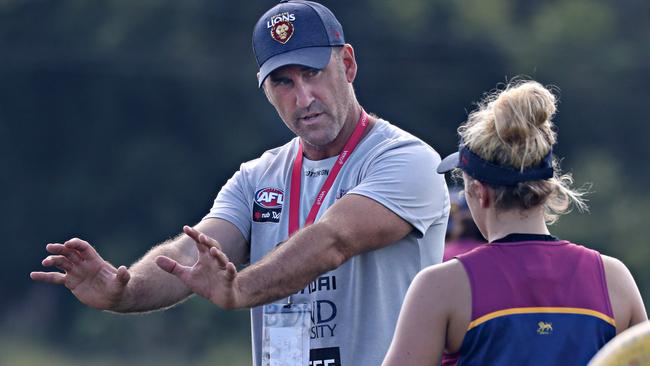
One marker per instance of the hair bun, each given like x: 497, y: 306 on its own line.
x: 521, y: 111
x: 513, y: 127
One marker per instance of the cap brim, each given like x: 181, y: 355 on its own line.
x: 449, y: 163
x: 316, y: 57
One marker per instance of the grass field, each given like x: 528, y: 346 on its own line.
x: 23, y: 352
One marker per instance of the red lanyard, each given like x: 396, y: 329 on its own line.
x: 296, y: 175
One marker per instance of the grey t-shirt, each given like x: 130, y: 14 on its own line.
x: 355, y: 306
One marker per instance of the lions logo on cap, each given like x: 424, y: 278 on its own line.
x: 282, y: 32
x: 281, y: 27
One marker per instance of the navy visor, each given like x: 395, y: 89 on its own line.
x: 494, y: 174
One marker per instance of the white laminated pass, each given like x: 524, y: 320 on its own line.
x: 286, y: 334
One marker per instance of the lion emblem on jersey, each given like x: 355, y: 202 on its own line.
x: 282, y: 31
x: 544, y: 328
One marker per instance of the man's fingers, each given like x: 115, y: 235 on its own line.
x: 209, y: 242
x: 231, y: 271
x: 191, y: 232
x: 171, y: 266
x: 200, y: 238
x: 195, y: 235
x: 49, y: 277
x: 60, y: 249
x: 58, y: 261
x: 220, y: 256
x: 86, y: 250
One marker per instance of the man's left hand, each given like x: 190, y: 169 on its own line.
x: 213, y: 276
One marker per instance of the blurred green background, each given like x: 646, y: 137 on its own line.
x: 120, y: 120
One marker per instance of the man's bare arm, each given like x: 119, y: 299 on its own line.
x: 353, y: 225
x: 152, y: 288
x: 143, y: 287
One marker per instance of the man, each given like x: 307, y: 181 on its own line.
x: 378, y: 209
x: 462, y: 233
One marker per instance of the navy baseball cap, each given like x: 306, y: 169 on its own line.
x: 295, y: 32
x: 490, y: 173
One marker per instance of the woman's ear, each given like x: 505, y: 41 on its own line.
x: 484, y: 198
x: 481, y: 192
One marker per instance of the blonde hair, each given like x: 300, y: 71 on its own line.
x: 513, y: 127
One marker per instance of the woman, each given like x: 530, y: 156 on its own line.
x: 526, y: 298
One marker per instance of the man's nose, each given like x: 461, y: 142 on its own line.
x: 304, y: 94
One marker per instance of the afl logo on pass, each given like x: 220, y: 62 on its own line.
x: 268, y: 205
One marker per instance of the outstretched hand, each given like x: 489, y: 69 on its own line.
x: 94, y: 281
x: 213, y: 276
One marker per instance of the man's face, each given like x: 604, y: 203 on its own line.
x: 312, y: 103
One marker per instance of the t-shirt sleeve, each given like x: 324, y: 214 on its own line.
x: 403, y: 178
x: 232, y: 204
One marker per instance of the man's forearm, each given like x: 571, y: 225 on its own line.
x: 354, y: 225
x: 151, y: 288
x: 291, y: 267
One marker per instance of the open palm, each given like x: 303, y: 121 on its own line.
x: 213, y: 276
x: 94, y: 281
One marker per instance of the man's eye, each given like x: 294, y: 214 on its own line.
x: 282, y: 82
x: 312, y: 72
